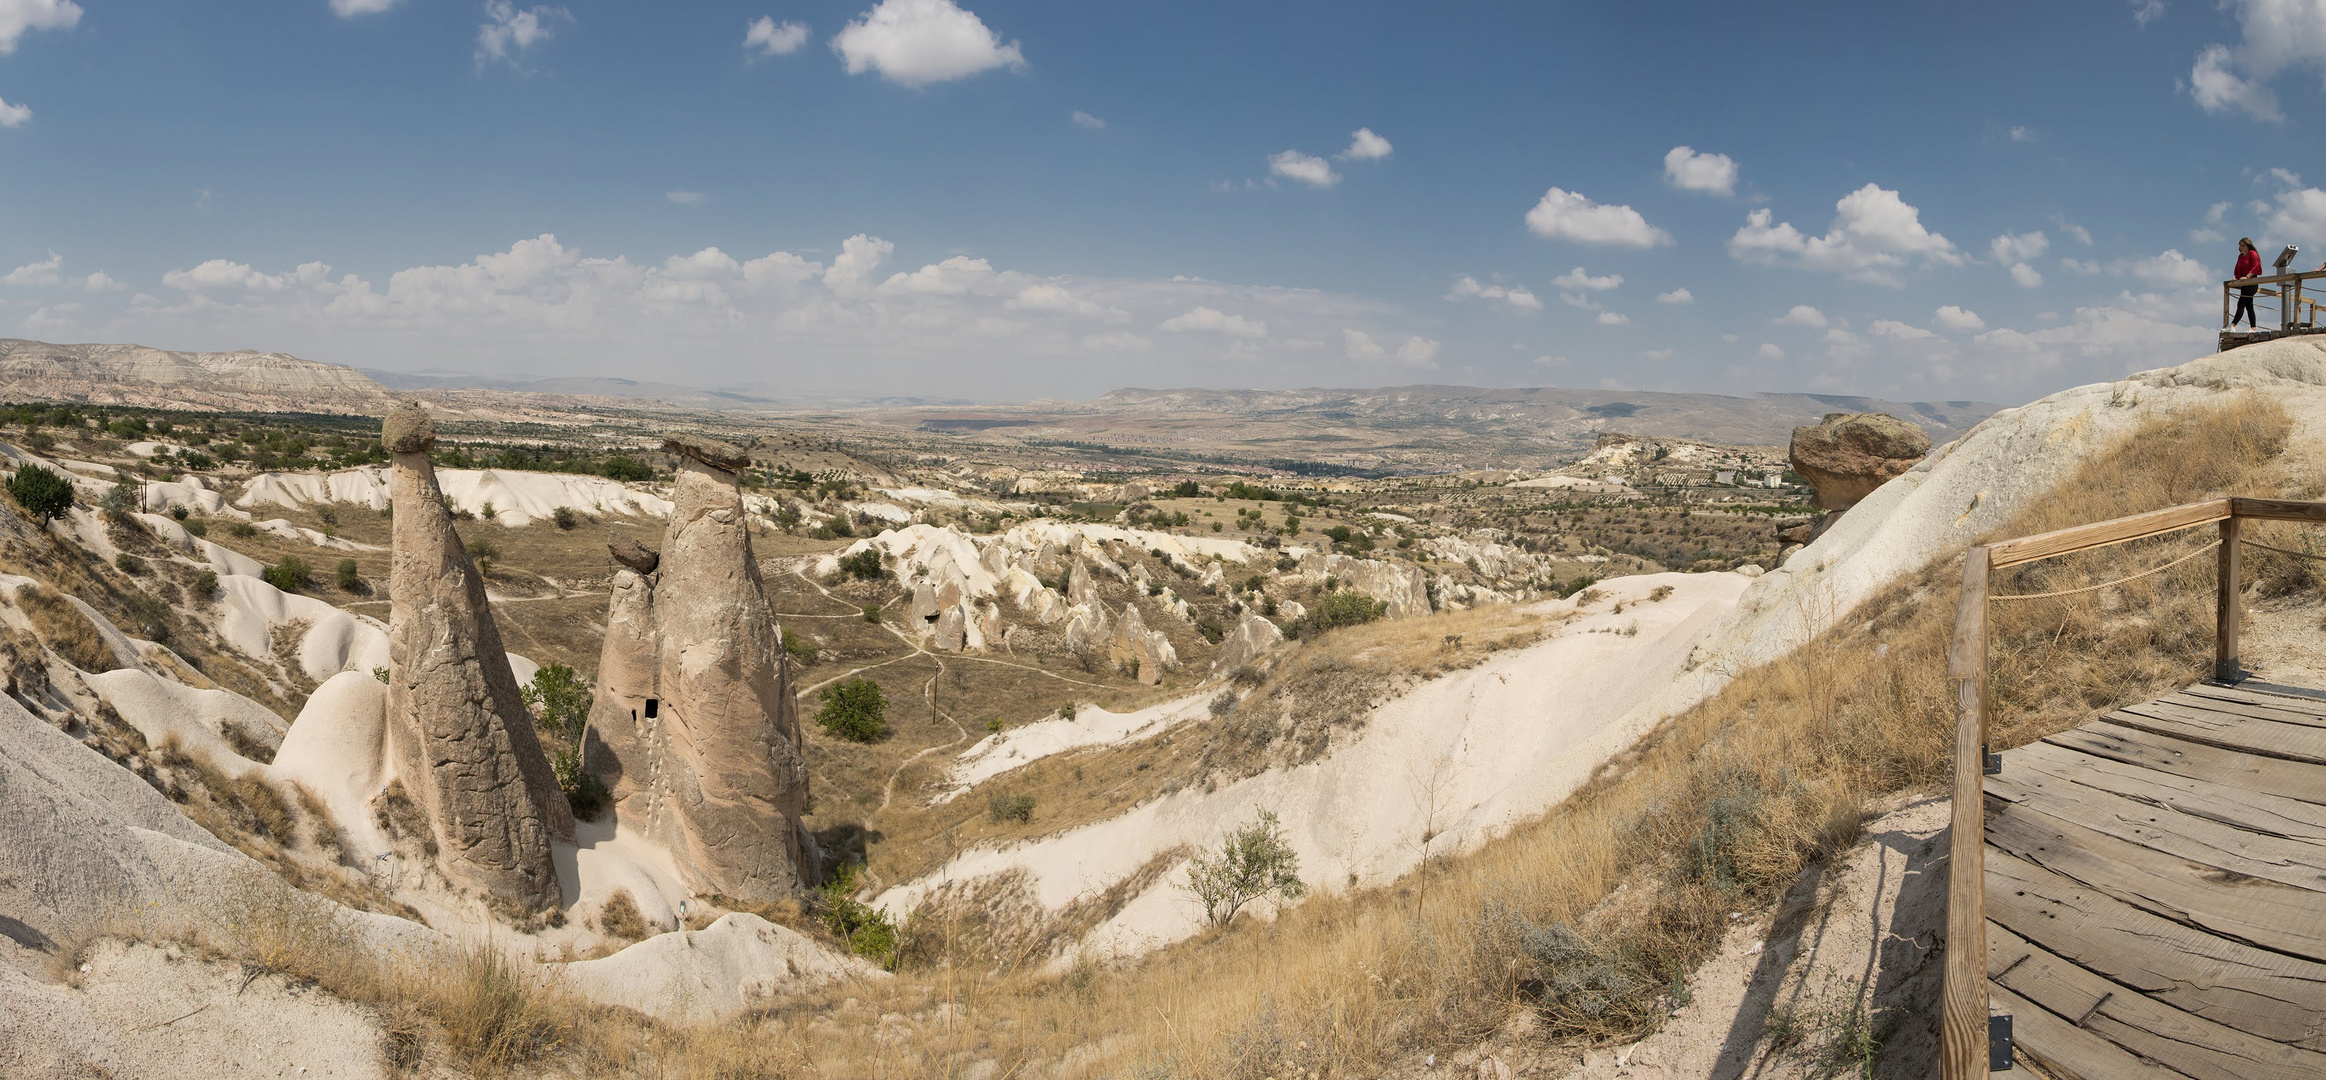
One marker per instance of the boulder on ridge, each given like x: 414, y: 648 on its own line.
x: 1847, y: 455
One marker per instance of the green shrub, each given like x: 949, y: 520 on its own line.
x: 800, y: 648
x: 564, y: 517
x: 128, y: 563
x: 41, y: 491
x: 197, y: 527
x: 867, y: 930
x: 625, y: 468
x: 558, y: 699
x: 1346, y: 609
x: 854, y: 710
x: 865, y: 564
x: 1000, y: 808
x: 1254, y: 861
x: 871, y: 614
x: 290, y: 575
x: 348, y: 576
x: 1185, y: 489
x: 205, y: 584
x: 243, y: 530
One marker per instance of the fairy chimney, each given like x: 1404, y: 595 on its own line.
x: 716, y: 774
x: 460, y: 739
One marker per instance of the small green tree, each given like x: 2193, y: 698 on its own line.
x: 864, y: 564
x: 1253, y: 862
x: 854, y: 710
x: 1347, y: 609
x: 41, y: 491
x: 625, y: 468
x: 125, y: 497
x: 559, y: 699
x: 290, y: 575
x: 349, y: 576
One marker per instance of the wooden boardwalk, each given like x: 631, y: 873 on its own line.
x: 2156, y: 890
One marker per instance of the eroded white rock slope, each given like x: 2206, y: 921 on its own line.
x: 1474, y: 752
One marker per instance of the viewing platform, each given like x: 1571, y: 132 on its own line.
x: 2143, y: 895
x: 2283, y: 306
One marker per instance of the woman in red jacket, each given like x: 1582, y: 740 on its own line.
x: 2248, y: 266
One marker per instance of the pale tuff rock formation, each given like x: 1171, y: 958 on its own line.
x: 460, y: 740
x: 716, y: 774
x: 1848, y: 455
x: 1252, y: 637
x: 1133, y: 643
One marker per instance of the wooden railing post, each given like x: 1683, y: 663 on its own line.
x: 1963, y: 1010
x: 2225, y: 606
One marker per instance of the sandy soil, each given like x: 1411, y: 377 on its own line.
x: 140, y: 1011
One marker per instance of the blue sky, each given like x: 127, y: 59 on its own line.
x: 1010, y: 200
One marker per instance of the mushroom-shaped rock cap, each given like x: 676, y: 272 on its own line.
x: 709, y: 451
x: 633, y: 554
x: 408, y: 429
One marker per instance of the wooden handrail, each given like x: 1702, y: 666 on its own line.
x: 1963, y: 1023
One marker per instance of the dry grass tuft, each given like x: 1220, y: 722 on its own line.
x: 67, y: 632
x: 620, y: 917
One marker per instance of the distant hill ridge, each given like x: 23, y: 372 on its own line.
x: 1760, y: 419
x: 159, y: 378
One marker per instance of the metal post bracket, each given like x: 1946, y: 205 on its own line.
x: 1999, y: 1042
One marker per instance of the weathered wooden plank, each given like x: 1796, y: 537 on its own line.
x: 2067, y: 1051
x: 2254, y: 773
x: 2278, y: 509
x: 2226, y: 605
x: 2250, y: 811
x: 2221, y: 713
x: 2263, y: 993
x: 1962, y: 1029
x: 2143, y: 1025
x: 2222, y: 699
x: 2163, y: 829
x: 2266, y: 913
x: 2106, y: 533
x: 2250, y: 736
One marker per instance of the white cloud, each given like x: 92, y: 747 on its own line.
x: 1120, y: 341
x: 2068, y: 228
x: 1688, y: 170
x: 348, y: 9
x: 1676, y: 296
x: 685, y: 198
x: 851, y: 273
x: 2145, y: 12
x: 1568, y: 215
x: 772, y: 38
x: 1365, y: 146
x: 1418, y: 352
x: 2214, y: 213
x: 1956, y: 318
x: 2299, y: 214
x: 2022, y: 134
x: 1873, y: 236
x: 1895, y: 329
x: 101, y: 282
x: 1769, y: 351
x: 2203, y: 236
x: 1359, y: 345
x: 2218, y: 89
x: 14, y: 115
x: 1517, y: 296
x: 1294, y: 165
x: 918, y: 42
x: 2171, y: 269
x: 219, y: 276
x: 2018, y: 247
x: 44, y: 272
x: 1802, y: 315
x: 1655, y: 355
x: 1611, y: 318
x: 2025, y: 276
x: 1083, y: 119
x: 507, y: 30
x: 1577, y: 279
x: 51, y: 318
x: 1549, y: 361
x: 21, y: 17
x: 1213, y: 321
x: 1057, y: 300
x: 951, y: 277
